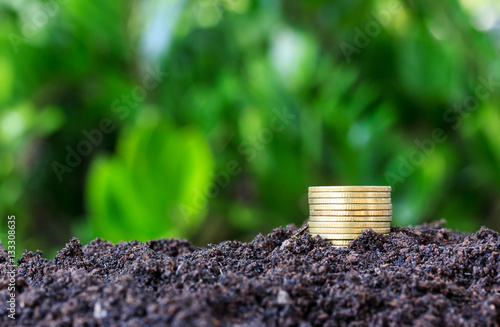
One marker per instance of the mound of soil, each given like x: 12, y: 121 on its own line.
x: 424, y: 276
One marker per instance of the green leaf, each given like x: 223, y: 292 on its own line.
x: 139, y: 193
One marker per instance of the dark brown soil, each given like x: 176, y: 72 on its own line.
x: 428, y: 276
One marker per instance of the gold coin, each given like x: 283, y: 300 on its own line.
x: 339, y: 242
x: 346, y: 230
x: 315, y: 224
x: 349, y: 189
x: 340, y: 213
x: 350, y: 201
x: 337, y: 236
x: 357, y: 219
x: 350, y: 207
x: 313, y: 195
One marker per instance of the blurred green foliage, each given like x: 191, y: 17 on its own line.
x: 140, y: 193
x: 362, y: 83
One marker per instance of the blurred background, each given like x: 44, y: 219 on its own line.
x: 208, y: 119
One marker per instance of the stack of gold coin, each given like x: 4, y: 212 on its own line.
x: 339, y: 214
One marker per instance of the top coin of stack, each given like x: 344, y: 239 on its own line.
x: 341, y: 213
